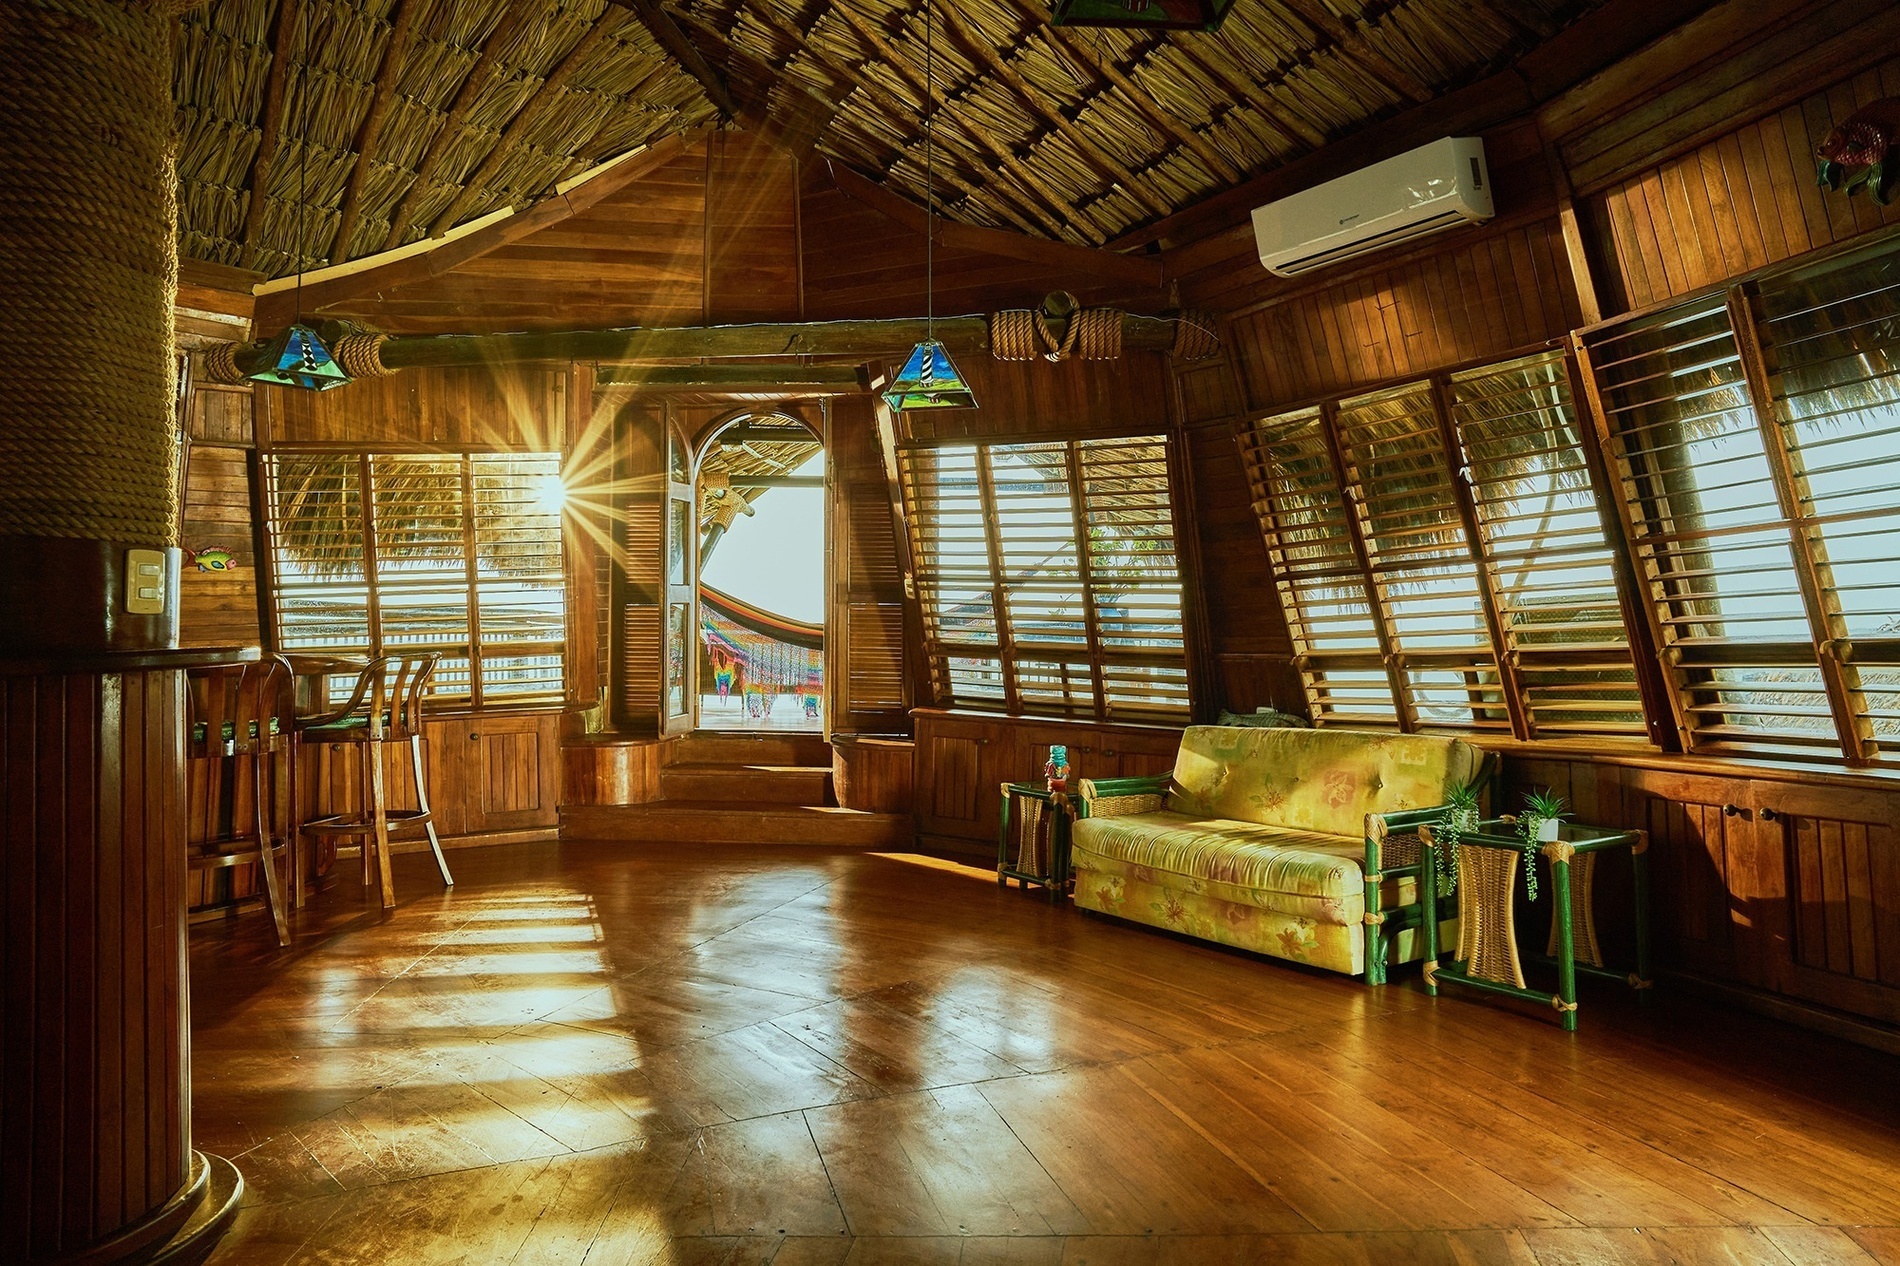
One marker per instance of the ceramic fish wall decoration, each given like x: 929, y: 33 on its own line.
x: 213, y: 559
x: 1866, y: 140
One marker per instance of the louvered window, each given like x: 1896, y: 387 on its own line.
x: 1756, y: 440
x: 1048, y: 576
x: 1441, y: 560
x: 459, y: 554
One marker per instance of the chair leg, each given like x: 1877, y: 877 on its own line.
x: 263, y: 813
x: 428, y: 817
x: 379, y: 810
x: 293, y: 824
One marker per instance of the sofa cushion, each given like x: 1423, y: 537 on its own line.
x: 1302, y: 873
x: 1324, y: 781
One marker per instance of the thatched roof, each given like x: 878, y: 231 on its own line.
x: 467, y: 106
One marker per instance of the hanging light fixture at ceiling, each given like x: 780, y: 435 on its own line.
x: 929, y: 379
x: 299, y: 357
x: 1151, y: 15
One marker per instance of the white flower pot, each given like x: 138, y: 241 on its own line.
x: 1548, y: 829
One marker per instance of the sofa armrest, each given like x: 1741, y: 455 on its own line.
x: 1120, y: 797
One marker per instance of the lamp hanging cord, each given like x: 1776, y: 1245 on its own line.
x: 930, y: 202
x: 303, y: 148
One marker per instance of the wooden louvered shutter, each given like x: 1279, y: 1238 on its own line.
x: 1051, y: 647
x: 320, y: 583
x: 1709, y: 532
x: 1543, y: 545
x: 867, y: 669
x: 419, y: 564
x: 520, y: 603
x: 1132, y: 569
x: 1311, y: 543
x: 956, y: 586
x: 1424, y: 575
x: 640, y: 582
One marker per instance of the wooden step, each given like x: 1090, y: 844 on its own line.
x: 752, y: 749
x: 716, y: 822
x: 747, y: 786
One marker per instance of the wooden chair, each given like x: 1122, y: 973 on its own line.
x: 384, y: 707
x: 240, y: 718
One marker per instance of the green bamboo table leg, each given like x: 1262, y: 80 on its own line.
x: 1428, y: 905
x: 1566, y: 1000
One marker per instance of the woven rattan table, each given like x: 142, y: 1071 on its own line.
x: 1032, y: 838
x: 1487, y: 956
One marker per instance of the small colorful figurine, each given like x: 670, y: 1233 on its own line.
x: 1866, y: 140
x: 1057, y: 770
x: 213, y: 559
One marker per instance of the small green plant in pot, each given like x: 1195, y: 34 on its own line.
x: 1461, y: 815
x: 1539, y: 823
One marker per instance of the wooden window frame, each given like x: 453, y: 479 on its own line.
x: 1102, y: 707
x: 1314, y: 661
x: 465, y: 458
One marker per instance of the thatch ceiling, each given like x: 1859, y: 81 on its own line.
x: 467, y: 106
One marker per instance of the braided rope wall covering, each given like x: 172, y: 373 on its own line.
x: 88, y: 266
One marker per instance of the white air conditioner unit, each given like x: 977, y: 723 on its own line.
x: 1434, y: 187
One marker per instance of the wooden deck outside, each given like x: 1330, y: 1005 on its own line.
x: 611, y: 1053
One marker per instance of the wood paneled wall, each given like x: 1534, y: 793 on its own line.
x: 1022, y: 398
x: 504, y: 407
x: 1739, y: 202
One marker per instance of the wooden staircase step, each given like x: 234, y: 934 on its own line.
x: 809, y: 750
x: 746, y: 786
x: 718, y: 822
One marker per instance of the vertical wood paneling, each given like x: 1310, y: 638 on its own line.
x: 503, y: 407
x: 94, y: 1130
x: 1736, y: 203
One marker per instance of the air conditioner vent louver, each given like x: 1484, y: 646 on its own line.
x: 1427, y: 190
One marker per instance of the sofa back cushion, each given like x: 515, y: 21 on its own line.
x: 1314, y: 780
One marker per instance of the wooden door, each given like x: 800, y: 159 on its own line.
x: 679, y: 634
x: 512, y: 771
x: 1705, y: 865
x: 640, y: 589
x: 1833, y: 858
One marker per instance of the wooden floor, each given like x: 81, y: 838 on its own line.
x: 605, y: 1054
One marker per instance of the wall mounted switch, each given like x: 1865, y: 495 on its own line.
x: 145, y: 581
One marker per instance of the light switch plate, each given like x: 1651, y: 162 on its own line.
x: 145, y: 581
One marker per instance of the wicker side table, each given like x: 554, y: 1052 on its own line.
x: 1032, y: 838
x: 1487, y: 956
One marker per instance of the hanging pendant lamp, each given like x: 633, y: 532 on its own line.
x: 299, y: 357
x: 929, y: 379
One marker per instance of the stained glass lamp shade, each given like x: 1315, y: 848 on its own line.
x: 298, y: 358
x: 929, y: 380
x: 1177, y: 15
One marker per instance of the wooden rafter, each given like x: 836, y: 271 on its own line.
x: 1297, y: 131
x: 667, y: 34
x: 1104, y: 67
x: 525, y: 118
x: 1088, y: 261
x: 514, y: 18
x: 889, y: 100
x: 1027, y: 172
x: 369, y: 133
x: 1105, y: 163
x: 1353, y: 45
x: 271, y: 125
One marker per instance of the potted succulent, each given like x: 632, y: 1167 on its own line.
x: 1461, y: 815
x: 1539, y: 823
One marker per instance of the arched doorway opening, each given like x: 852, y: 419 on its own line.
x: 759, y: 489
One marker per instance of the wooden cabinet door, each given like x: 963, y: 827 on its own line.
x: 1834, y: 859
x: 512, y: 774
x: 1706, y: 870
x: 951, y: 769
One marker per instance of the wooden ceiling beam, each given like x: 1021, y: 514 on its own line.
x: 1026, y: 172
x: 1089, y: 261
x: 514, y: 17
x: 1296, y: 131
x: 1354, y: 47
x: 667, y: 34
x: 369, y: 133
x: 973, y: 41
x: 371, y: 279
x: 525, y: 118
x: 271, y: 125
x: 1143, y: 101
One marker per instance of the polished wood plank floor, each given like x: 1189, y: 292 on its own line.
x: 602, y: 1054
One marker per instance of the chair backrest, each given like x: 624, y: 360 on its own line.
x: 397, y: 684
x: 1315, y: 780
x: 238, y: 708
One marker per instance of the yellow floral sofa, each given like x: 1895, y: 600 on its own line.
x: 1301, y: 844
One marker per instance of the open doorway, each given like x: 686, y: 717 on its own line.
x: 760, y: 491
